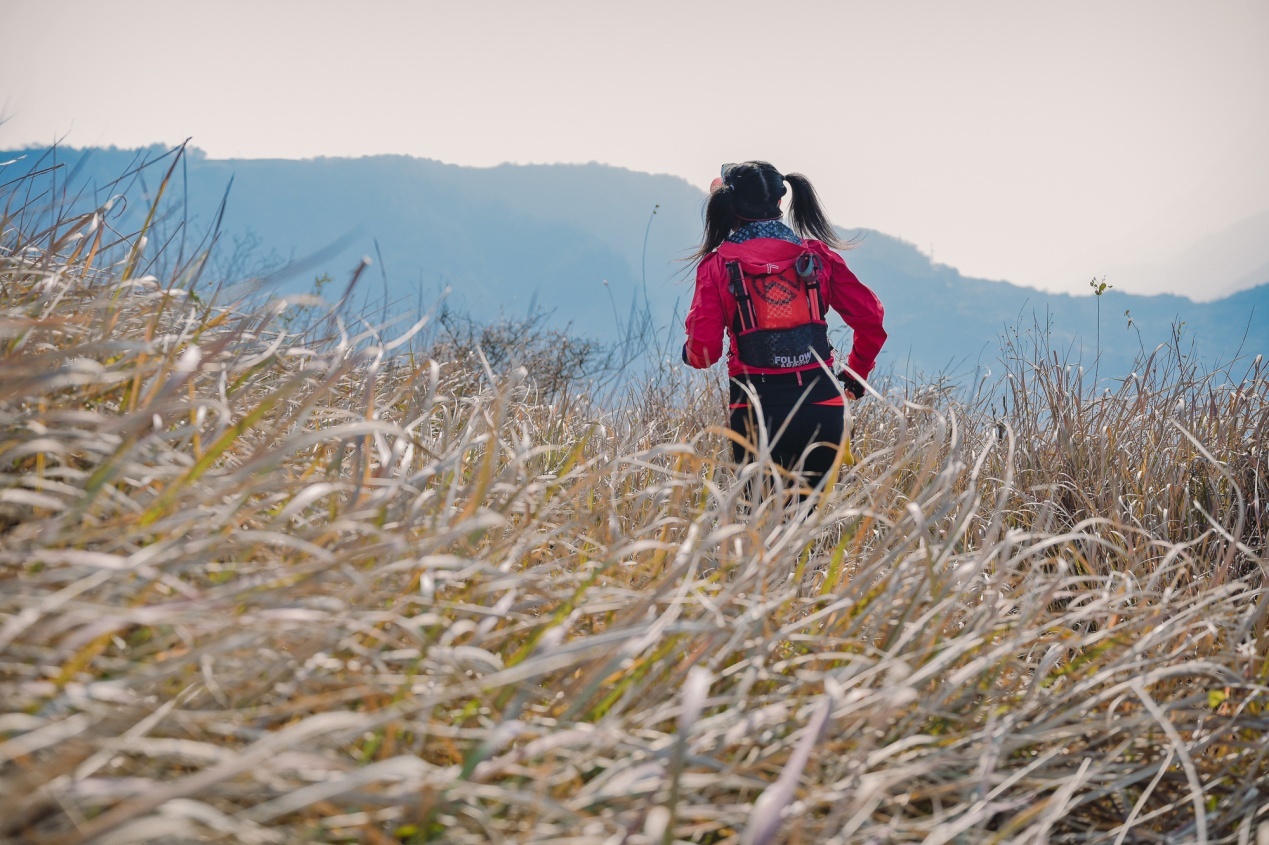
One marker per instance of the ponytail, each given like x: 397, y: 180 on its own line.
x: 806, y: 213
x: 720, y: 216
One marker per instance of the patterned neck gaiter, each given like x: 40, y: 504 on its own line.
x: 764, y: 229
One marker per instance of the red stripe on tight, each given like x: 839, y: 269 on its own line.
x: 835, y: 402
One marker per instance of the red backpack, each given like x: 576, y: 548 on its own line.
x: 780, y: 321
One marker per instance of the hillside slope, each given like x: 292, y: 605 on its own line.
x: 570, y: 239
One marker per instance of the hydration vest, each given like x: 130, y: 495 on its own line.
x: 780, y: 321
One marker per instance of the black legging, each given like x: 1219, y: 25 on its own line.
x: 824, y: 425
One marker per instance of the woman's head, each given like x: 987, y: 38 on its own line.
x: 756, y: 189
x: 752, y: 191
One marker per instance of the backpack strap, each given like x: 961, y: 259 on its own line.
x: 746, y: 316
x: 808, y: 267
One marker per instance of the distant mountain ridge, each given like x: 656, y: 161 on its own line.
x: 583, y: 242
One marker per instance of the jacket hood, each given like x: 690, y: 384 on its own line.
x: 761, y: 250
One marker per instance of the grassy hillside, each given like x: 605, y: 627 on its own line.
x: 271, y: 577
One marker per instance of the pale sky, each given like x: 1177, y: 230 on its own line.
x: 1043, y: 144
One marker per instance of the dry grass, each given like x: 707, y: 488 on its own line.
x: 260, y: 587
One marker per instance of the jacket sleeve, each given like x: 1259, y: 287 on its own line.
x: 859, y: 307
x: 706, y: 321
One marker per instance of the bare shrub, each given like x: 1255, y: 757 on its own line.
x: 554, y: 358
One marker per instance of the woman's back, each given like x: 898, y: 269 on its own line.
x: 768, y: 287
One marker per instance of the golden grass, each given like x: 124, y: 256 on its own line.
x: 265, y: 587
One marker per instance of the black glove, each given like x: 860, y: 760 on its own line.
x: 851, y: 384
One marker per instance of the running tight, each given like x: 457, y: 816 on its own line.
x: 824, y: 425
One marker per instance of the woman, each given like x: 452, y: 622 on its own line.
x: 766, y: 285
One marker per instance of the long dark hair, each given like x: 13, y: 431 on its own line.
x: 752, y: 191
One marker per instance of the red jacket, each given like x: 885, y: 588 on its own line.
x: 713, y: 308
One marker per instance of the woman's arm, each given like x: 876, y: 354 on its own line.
x: 858, y: 306
x: 706, y: 322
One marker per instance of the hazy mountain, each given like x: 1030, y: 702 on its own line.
x: 498, y: 237
x: 570, y: 239
x: 947, y: 322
